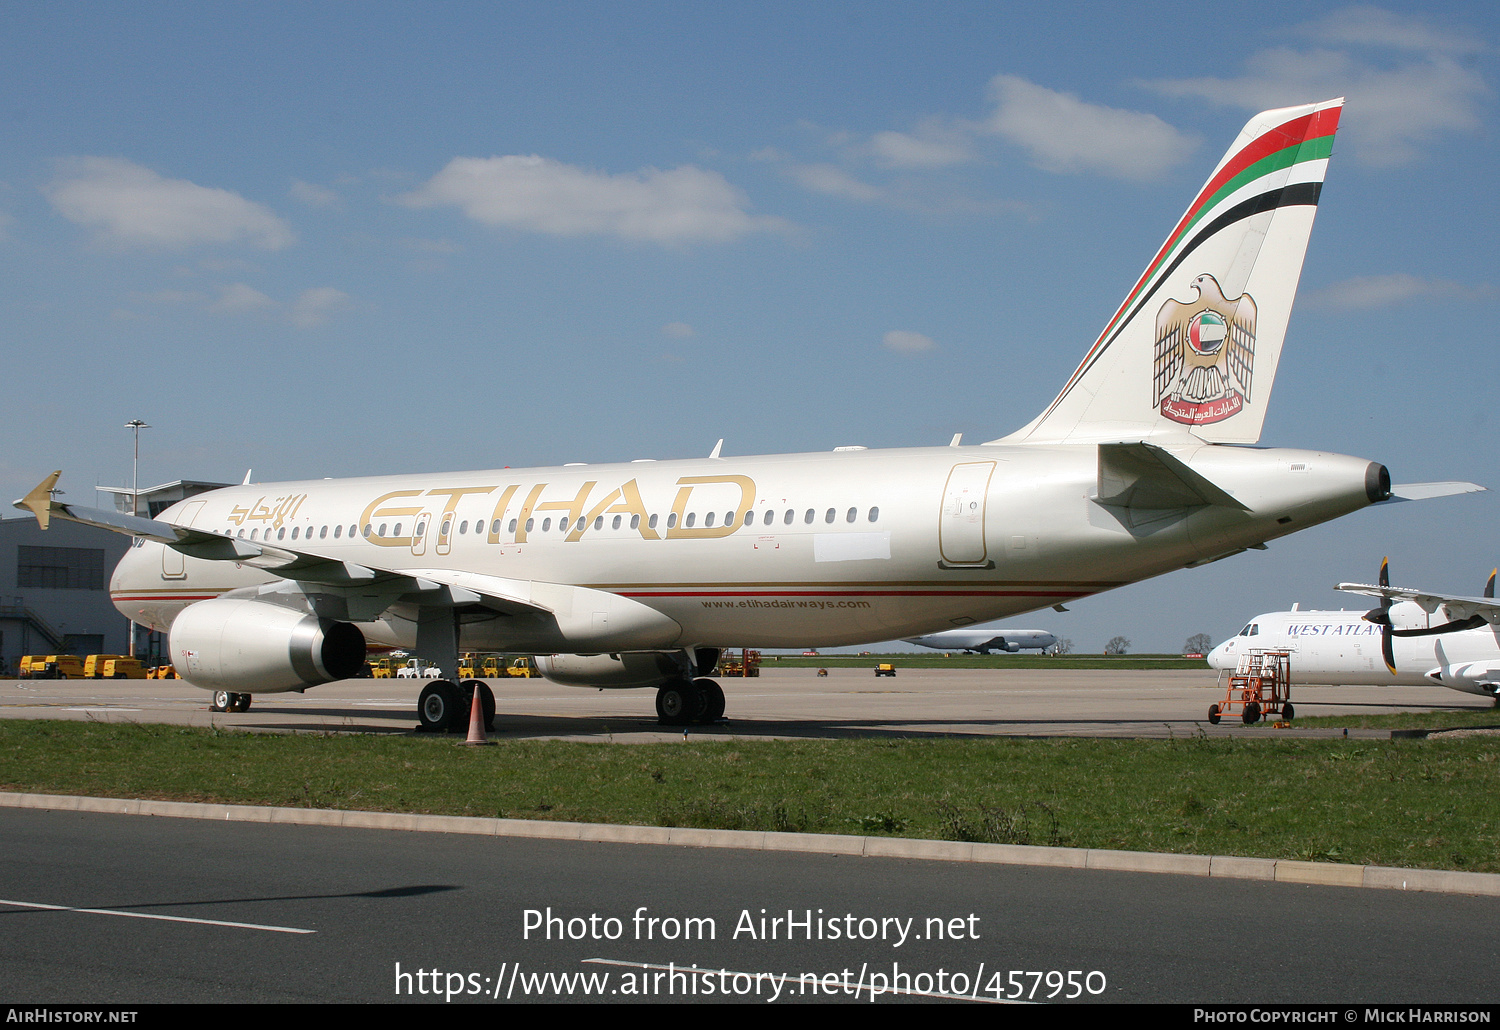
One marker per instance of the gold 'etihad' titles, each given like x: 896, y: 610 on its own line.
x: 580, y: 510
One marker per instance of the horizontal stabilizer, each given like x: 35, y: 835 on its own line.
x: 1427, y: 491
x: 1143, y: 475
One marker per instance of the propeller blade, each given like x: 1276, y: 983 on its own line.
x: 1387, y: 633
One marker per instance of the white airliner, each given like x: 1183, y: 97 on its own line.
x: 984, y: 640
x: 1413, y: 638
x: 636, y: 574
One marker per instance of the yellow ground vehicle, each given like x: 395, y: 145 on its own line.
x: 748, y: 664
x: 51, y: 667
x: 163, y: 672
x: 885, y: 669
x: 112, y: 667
x: 386, y: 668
x: 523, y: 667
x: 478, y: 666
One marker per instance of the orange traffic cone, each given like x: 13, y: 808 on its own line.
x: 476, y: 721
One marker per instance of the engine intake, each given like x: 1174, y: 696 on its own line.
x: 258, y: 648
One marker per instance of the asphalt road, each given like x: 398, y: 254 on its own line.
x: 779, y: 703
x: 323, y: 915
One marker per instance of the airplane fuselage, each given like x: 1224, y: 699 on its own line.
x: 1342, y: 648
x: 836, y: 548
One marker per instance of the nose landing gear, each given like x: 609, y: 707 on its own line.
x: 228, y: 701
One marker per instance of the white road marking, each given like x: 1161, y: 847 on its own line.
x: 149, y: 915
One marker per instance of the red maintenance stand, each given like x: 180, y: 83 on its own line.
x: 1261, y: 685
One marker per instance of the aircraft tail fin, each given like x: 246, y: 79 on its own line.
x: 1194, y: 346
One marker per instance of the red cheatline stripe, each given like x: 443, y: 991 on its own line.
x: 165, y: 597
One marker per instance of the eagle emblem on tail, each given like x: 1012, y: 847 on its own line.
x: 1204, y: 352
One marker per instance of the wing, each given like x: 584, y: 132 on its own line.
x: 367, y: 591
x: 1458, y: 609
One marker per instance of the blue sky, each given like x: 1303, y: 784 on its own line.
x: 341, y: 239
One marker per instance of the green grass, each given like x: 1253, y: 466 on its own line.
x: 1479, y: 718
x: 1413, y: 803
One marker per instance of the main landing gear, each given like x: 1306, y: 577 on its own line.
x: 227, y: 701
x: 444, y: 707
x: 685, y: 704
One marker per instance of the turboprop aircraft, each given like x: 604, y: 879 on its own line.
x: 1397, y: 643
x: 636, y: 574
x: 984, y: 641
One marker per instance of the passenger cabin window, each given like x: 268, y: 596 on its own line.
x: 808, y: 517
x: 651, y: 522
x: 829, y: 514
x: 852, y: 515
x: 874, y: 514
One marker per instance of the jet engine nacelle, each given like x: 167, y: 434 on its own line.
x: 626, y: 669
x: 1012, y: 648
x: 258, y: 648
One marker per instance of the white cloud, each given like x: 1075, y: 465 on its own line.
x: 1395, y: 106
x: 928, y: 150
x: 315, y: 195
x: 239, y: 299
x: 1066, y: 134
x: 904, y: 342
x: 834, y: 181
x: 314, y: 307
x: 680, y: 206
x: 678, y: 330
x: 130, y: 205
x: 1372, y: 26
x: 1382, y: 291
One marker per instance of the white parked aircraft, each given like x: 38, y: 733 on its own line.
x: 1412, y: 638
x: 635, y: 575
x: 985, y: 640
